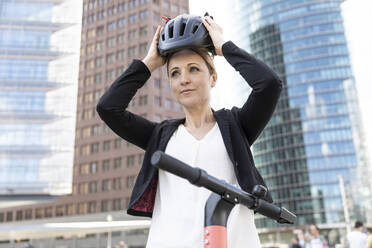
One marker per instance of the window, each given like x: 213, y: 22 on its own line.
x: 142, y: 100
x: 168, y: 104
x: 99, y: 46
x: 106, y: 165
x: 120, y: 70
x: 83, y: 188
x: 100, y: 30
x: 82, y: 208
x: 121, y: 22
x: 95, y: 130
x: 132, y: 18
x: 70, y: 209
x: 89, y: 64
x: 130, y: 181
x: 60, y: 210
x: 157, y: 101
x: 48, y: 212
x: 116, y: 183
x: 132, y: 35
x: 156, y: 16
x: 105, y: 185
x: 130, y: 161
x: 92, y: 207
x: 93, y: 187
x: 165, y: 5
x: 105, y: 206
x: 110, y: 75
x: 110, y: 42
x: 156, y: 83
x: 91, y: 33
x: 28, y: 214
x: 38, y: 213
x: 121, y: 7
x: 93, y: 167
x: 118, y: 143
x: 140, y: 158
x: 90, y: 48
x: 101, y: 14
x: 111, y: 26
x: 99, y: 61
x: 143, y: 47
x: 121, y: 38
x: 174, y: 8
x: 117, y: 163
x: 143, y: 14
x: 94, y: 148
x: 132, y: 3
x: 116, y: 204
x: 143, y: 31
x: 19, y: 215
x: 131, y: 51
x: 110, y: 58
x: 106, y: 145
x: 84, y: 169
x: 121, y: 54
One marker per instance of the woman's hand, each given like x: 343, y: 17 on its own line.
x: 215, y: 31
x: 153, y: 60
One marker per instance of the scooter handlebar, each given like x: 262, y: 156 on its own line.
x: 199, y: 177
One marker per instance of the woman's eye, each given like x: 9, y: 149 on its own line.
x: 194, y: 69
x: 174, y: 73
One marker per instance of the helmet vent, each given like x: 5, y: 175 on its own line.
x: 163, y: 37
x: 171, y: 32
x: 196, y: 25
x: 182, y: 30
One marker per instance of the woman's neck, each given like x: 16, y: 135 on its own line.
x: 199, y: 117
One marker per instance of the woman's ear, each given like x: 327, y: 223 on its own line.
x: 214, y: 79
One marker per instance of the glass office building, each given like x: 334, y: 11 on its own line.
x: 314, y: 136
x: 39, y: 54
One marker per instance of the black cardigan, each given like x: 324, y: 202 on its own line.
x: 239, y: 126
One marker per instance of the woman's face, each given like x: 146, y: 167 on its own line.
x: 189, y: 78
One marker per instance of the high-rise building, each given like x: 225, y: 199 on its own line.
x: 39, y: 49
x: 315, y: 134
x: 114, y: 32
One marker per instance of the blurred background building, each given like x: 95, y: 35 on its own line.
x: 315, y: 134
x: 39, y: 54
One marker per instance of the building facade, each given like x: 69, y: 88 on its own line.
x: 315, y: 134
x: 114, y: 32
x: 38, y: 87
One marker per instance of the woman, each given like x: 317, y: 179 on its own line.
x: 217, y: 141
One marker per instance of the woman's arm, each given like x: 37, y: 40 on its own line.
x: 266, y: 87
x: 113, y: 104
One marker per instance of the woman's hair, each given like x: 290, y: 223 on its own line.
x: 202, y: 52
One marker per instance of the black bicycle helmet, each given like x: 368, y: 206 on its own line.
x: 184, y: 31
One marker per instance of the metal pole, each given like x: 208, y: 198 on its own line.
x: 344, y: 203
x: 109, y: 219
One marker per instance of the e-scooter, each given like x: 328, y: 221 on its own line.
x: 223, y: 198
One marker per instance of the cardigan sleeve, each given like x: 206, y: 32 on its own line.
x: 266, y: 87
x: 113, y: 104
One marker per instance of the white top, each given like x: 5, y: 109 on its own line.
x: 178, y: 216
x: 357, y: 239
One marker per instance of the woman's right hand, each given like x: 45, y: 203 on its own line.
x: 153, y: 60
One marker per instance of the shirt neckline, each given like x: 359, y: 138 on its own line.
x: 204, y: 137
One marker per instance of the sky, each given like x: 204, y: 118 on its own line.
x: 357, y: 16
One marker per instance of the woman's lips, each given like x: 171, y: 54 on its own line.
x: 186, y: 91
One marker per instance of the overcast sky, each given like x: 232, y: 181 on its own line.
x: 357, y: 20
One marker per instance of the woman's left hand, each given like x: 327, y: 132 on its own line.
x: 215, y: 31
